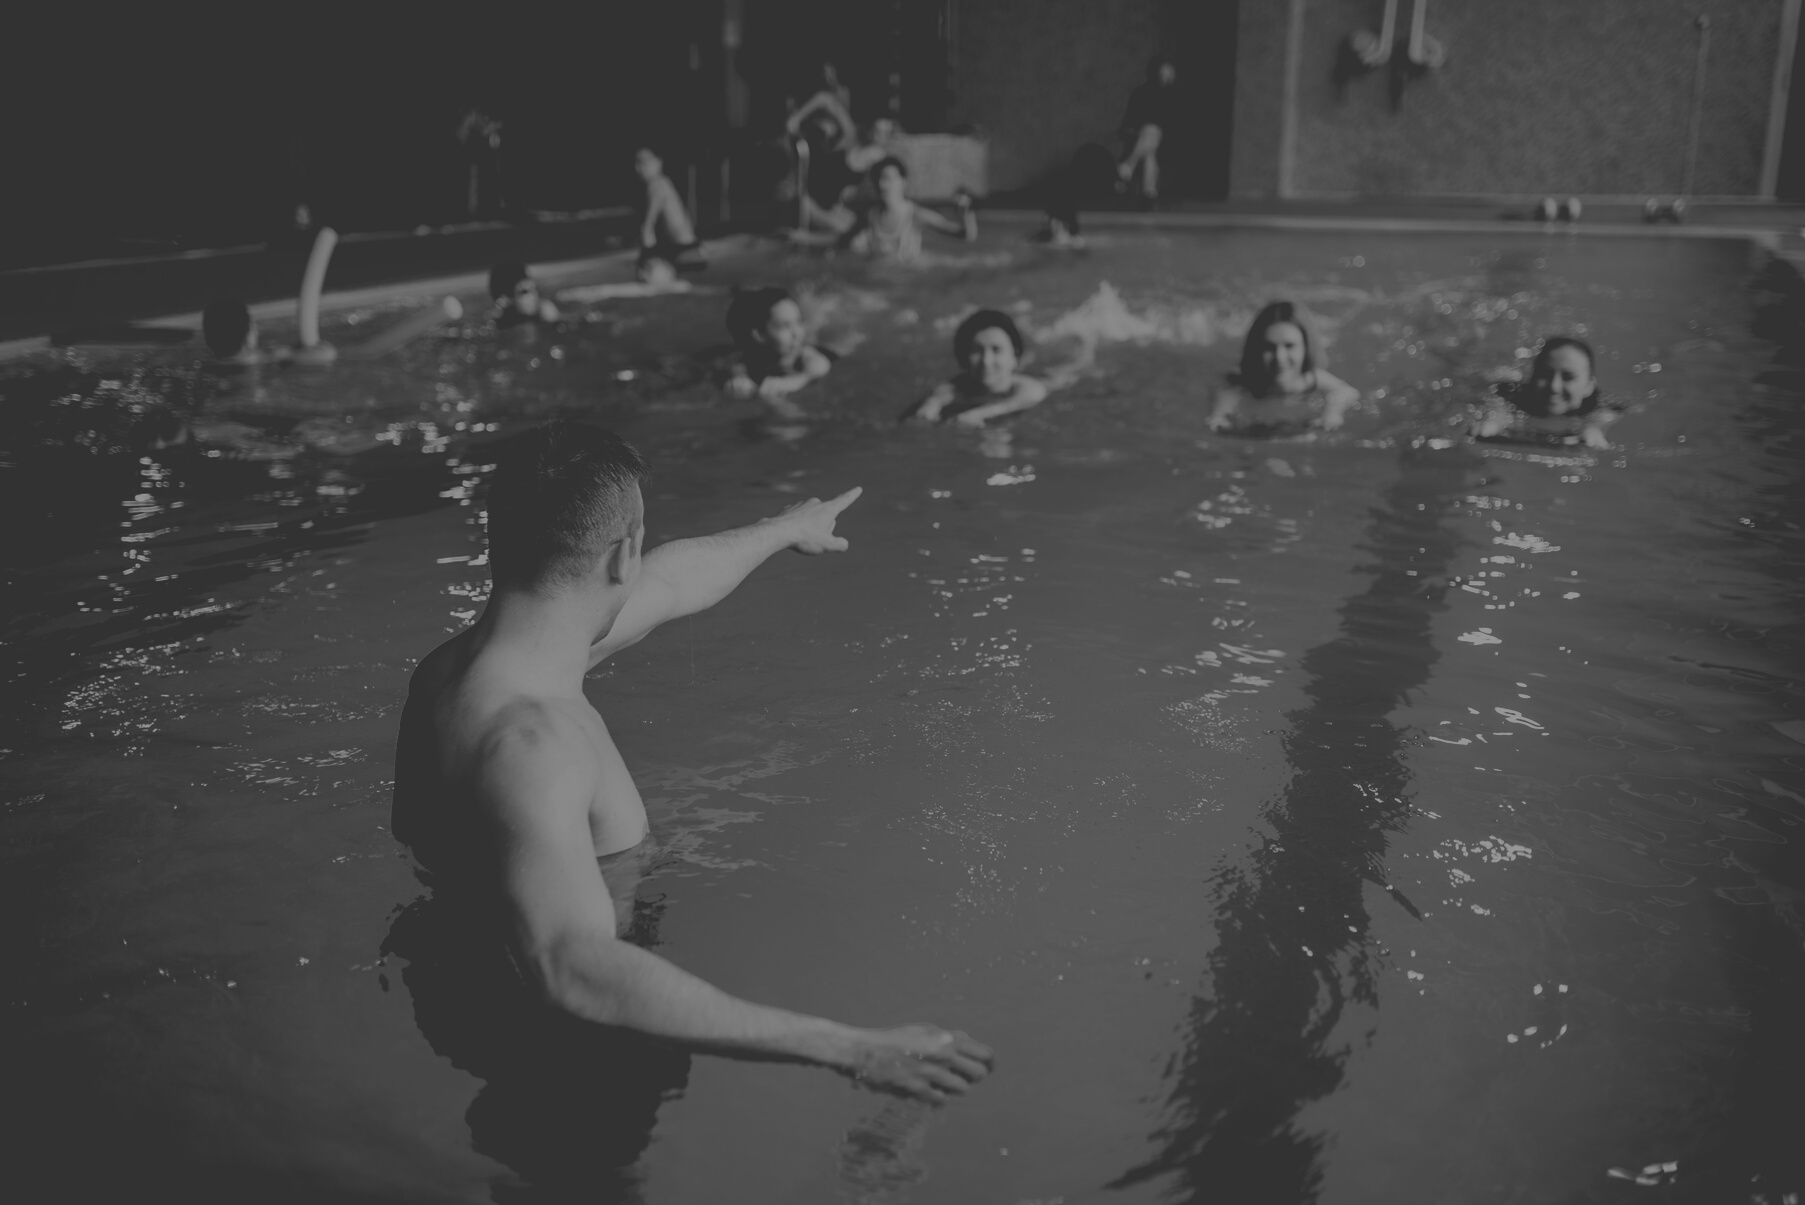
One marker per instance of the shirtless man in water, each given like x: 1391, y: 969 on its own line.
x: 509, y: 785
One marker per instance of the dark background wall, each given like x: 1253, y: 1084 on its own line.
x: 1567, y: 96
x: 1039, y: 78
x: 157, y: 124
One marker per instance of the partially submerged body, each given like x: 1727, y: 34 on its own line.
x: 1282, y: 387
x: 1560, y: 403
x: 775, y: 355
x: 1320, y: 403
x: 512, y: 793
x: 989, y: 349
x: 892, y: 228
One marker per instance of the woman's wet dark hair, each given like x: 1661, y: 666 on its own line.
x: 750, y: 309
x: 225, y: 325
x: 877, y: 169
x: 967, y: 335
x: 1554, y: 343
x: 1252, y: 374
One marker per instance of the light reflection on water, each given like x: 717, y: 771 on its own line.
x: 1363, y: 818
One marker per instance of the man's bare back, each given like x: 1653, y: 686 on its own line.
x: 508, y: 783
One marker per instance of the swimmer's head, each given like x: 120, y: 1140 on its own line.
x: 565, y: 505
x: 510, y: 284
x: 1281, y: 348
x: 1564, y: 377
x: 883, y: 130
x: 227, y: 327
x: 768, y: 319
x: 988, y: 346
x: 890, y: 178
x: 647, y: 163
x: 1163, y: 72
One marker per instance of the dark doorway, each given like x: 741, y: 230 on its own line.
x: 1790, y: 185
x: 1201, y: 38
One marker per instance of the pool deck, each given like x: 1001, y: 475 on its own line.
x: 39, y: 302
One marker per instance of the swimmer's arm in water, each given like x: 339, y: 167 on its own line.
x: 1592, y: 434
x: 686, y: 576
x: 1222, y: 414
x: 811, y: 366
x: 1025, y: 394
x: 536, y: 781
x: 1496, y: 417
x: 966, y: 227
x: 1338, y: 398
x: 928, y: 409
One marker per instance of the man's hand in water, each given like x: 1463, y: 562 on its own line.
x: 811, y: 524
x: 922, y: 1061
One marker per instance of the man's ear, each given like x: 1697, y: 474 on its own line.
x: 618, y: 560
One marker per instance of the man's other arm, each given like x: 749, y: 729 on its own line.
x: 537, y: 781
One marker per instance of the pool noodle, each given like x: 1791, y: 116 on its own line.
x: 313, y: 283
x: 418, y: 323
x: 1417, y: 16
x: 1388, y: 29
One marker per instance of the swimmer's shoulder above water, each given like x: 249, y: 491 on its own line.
x: 1282, y: 386
x: 989, y: 348
x: 1561, y: 402
x: 892, y: 227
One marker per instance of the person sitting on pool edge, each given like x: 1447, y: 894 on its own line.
x: 517, y: 297
x: 776, y: 357
x: 988, y: 347
x: 513, y: 796
x: 892, y: 227
x: 1560, y: 403
x: 666, y: 234
x: 1283, y: 386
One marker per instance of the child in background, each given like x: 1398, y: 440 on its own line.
x: 1560, y: 403
x: 665, y: 233
x: 517, y: 298
x: 988, y: 347
x: 1283, y: 386
x: 892, y: 227
x: 776, y: 357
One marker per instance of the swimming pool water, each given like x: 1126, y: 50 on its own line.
x: 1368, y: 818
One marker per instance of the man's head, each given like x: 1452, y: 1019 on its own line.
x: 227, y: 327
x: 564, y: 505
x: 647, y: 163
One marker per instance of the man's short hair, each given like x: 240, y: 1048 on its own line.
x: 504, y: 276
x: 560, y: 497
x: 225, y: 325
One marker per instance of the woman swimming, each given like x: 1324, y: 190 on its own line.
x: 775, y: 355
x: 1283, y: 386
x: 988, y: 346
x: 1559, y: 403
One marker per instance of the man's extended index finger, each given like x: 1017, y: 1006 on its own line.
x: 847, y: 499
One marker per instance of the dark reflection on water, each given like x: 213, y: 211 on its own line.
x: 1293, y: 951
x: 566, y: 1104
